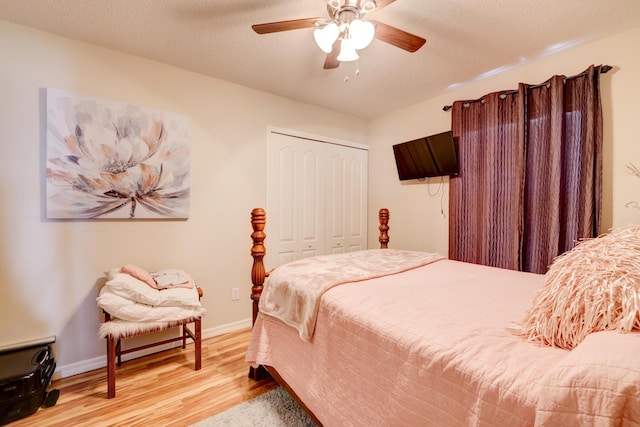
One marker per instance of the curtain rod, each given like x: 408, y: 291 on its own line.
x: 603, y: 69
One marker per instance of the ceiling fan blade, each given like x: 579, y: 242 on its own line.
x: 331, y: 61
x: 397, y: 37
x: 383, y: 3
x: 294, y: 24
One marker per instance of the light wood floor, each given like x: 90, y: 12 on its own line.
x: 162, y: 389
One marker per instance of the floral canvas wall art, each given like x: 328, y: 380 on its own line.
x: 107, y: 159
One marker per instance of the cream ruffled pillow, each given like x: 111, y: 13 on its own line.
x: 593, y: 287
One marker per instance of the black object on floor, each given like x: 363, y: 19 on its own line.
x: 51, y: 399
x: 24, y: 377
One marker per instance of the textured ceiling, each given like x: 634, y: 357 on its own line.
x: 466, y: 39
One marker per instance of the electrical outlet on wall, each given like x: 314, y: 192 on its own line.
x: 235, y: 294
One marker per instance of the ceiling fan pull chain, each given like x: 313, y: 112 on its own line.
x: 355, y: 73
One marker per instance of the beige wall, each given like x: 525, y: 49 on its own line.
x: 50, y: 269
x: 416, y: 221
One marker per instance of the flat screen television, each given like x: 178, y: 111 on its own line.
x: 434, y: 155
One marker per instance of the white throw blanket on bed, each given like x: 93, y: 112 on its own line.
x: 292, y: 291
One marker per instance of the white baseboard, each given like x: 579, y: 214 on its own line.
x: 64, y: 371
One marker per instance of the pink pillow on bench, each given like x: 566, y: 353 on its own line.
x: 140, y: 274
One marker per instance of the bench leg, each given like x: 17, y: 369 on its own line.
x: 111, y: 367
x: 184, y: 335
x: 198, y: 343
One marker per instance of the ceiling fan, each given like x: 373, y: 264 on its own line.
x: 344, y: 33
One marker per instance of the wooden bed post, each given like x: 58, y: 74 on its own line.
x: 383, y: 218
x: 258, y: 220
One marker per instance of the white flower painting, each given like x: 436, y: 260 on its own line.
x: 107, y: 159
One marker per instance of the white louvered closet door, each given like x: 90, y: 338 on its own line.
x: 316, y: 196
x: 345, y: 199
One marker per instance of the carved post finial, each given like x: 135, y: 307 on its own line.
x: 383, y: 217
x: 258, y: 220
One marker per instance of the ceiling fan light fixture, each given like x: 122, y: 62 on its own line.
x: 345, y: 32
x: 348, y: 51
x: 362, y: 33
x: 326, y: 36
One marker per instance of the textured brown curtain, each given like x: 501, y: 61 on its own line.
x: 530, y: 173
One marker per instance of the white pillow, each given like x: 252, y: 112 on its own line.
x: 126, y: 309
x: 129, y: 287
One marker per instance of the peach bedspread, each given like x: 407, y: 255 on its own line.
x: 431, y: 346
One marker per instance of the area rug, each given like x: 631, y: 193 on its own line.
x: 272, y: 409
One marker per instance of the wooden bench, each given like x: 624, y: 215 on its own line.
x: 119, y: 332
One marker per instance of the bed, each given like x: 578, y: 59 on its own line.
x: 446, y: 343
